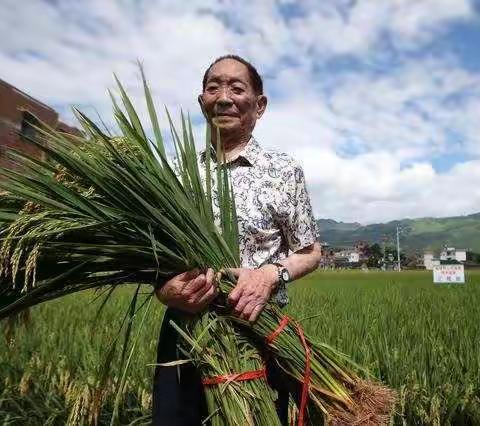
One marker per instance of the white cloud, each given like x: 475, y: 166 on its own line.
x: 370, y: 187
x: 415, y: 20
x: 365, y: 138
x: 390, y: 176
x: 408, y: 108
x: 343, y: 27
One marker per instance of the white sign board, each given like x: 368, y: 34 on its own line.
x: 454, y: 274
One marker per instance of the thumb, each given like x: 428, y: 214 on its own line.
x: 232, y: 272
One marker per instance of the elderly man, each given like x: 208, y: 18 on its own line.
x: 277, y: 235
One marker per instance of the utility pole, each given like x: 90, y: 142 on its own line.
x: 384, y: 258
x: 398, y: 249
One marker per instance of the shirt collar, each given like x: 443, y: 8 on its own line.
x: 249, y: 153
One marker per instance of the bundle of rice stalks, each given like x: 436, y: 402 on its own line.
x: 110, y: 211
x: 241, y: 377
x: 104, y: 212
x: 331, y: 387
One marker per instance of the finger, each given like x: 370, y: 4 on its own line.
x: 235, y: 294
x: 248, y: 309
x: 194, y: 285
x: 208, y: 296
x: 241, y: 304
x: 195, y: 297
x: 256, y: 312
x: 210, y: 276
x: 189, y: 275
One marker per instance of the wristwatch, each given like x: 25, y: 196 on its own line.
x: 283, y: 275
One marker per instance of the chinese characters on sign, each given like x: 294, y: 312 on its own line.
x: 448, y: 274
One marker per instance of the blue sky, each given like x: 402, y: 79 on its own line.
x: 379, y: 100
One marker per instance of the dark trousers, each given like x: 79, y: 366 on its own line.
x: 178, y: 398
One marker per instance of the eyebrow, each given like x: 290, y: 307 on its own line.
x: 215, y: 79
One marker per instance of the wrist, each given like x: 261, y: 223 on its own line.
x: 272, y: 275
x: 283, y: 275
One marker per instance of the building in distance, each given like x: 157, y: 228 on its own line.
x: 452, y: 253
x: 446, y: 255
x: 19, y: 114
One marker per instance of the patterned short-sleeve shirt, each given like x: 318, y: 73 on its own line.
x: 273, y: 206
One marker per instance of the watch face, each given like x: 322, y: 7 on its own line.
x: 285, y: 275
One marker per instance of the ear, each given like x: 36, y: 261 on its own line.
x: 202, y: 106
x: 261, y: 105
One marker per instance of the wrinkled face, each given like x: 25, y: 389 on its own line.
x: 229, y: 101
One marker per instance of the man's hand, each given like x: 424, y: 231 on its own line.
x: 253, y: 290
x: 190, y: 291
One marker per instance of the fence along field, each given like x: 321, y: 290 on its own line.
x: 422, y: 339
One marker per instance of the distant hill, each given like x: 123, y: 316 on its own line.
x: 417, y: 234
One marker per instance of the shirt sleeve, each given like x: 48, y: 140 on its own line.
x: 297, y: 222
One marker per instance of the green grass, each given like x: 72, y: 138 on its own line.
x: 420, y: 338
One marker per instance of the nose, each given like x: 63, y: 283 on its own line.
x: 224, y: 98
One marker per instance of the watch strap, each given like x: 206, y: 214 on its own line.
x: 280, y: 268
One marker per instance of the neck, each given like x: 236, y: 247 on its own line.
x: 231, y: 144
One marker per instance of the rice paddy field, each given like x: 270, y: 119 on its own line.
x: 420, y: 338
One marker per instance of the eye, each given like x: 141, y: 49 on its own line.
x: 211, y: 88
x: 238, y: 90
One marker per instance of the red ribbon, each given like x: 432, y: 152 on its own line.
x: 274, y: 334
x: 307, y: 375
x: 236, y: 377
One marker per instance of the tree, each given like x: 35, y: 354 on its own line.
x: 374, y: 255
x: 473, y: 257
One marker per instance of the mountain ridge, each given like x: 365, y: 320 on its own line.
x: 416, y: 234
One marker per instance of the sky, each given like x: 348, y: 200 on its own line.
x: 378, y: 100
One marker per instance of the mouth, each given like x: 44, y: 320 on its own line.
x: 225, y: 115
x: 221, y: 120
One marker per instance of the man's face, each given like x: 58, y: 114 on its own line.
x: 229, y: 100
